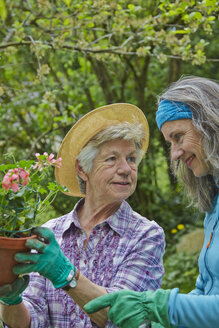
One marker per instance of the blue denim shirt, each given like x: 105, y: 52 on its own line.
x: 200, y: 308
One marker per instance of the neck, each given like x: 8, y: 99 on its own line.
x: 91, y: 214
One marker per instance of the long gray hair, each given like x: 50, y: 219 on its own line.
x: 202, y: 96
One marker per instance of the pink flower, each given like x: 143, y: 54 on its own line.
x: 10, y: 182
x: 12, y: 178
x: 39, y: 163
x: 52, y: 161
x: 49, y: 160
x: 24, y: 182
x: 6, y: 182
x: 15, y: 187
x: 20, y: 186
x: 16, y: 171
x: 24, y: 176
x: 58, y: 162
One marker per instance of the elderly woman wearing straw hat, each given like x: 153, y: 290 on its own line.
x: 102, y: 245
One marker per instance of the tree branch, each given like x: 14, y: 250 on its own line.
x: 114, y: 50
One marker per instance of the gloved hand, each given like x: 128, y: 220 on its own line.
x: 49, y: 261
x: 10, y: 294
x: 130, y: 309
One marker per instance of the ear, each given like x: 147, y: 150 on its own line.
x: 80, y: 171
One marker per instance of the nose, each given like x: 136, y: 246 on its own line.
x: 124, y: 167
x: 176, y: 153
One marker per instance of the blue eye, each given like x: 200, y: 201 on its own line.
x: 177, y: 137
x: 132, y: 159
x: 111, y: 159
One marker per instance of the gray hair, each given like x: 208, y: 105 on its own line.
x: 125, y: 130
x: 202, y: 96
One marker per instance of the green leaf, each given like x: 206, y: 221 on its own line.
x: 197, y: 15
x: 67, y: 2
x: 3, y: 10
x: 131, y: 7
x: 172, y: 13
x: 182, y: 31
x: 90, y: 25
x: 6, y: 167
x: 66, y: 22
x: 211, y: 18
x: 25, y: 164
x: 30, y: 215
x: 52, y: 186
x: 21, y: 219
x: 42, y: 190
x: 20, y: 193
x: 1, y: 91
x: 210, y: 3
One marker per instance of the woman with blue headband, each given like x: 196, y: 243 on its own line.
x: 188, y: 117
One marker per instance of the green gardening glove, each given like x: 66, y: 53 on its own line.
x: 49, y: 261
x: 10, y: 294
x: 130, y: 309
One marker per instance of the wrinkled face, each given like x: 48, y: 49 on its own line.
x: 114, y: 173
x: 186, y: 145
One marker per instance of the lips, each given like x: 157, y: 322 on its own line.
x: 189, y: 160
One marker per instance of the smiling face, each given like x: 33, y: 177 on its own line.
x: 186, y: 145
x: 113, y: 176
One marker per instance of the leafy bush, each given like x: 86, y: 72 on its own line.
x: 181, y: 270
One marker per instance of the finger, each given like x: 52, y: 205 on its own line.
x: 27, y: 257
x: 21, y: 283
x: 44, y: 233
x: 18, y: 285
x: 99, y: 303
x: 26, y: 279
x: 5, y: 290
x: 36, y: 244
x: 24, y: 268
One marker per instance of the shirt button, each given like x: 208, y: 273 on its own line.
x: 85, y: 261
x: 94, y: 232
x: 82, y: 316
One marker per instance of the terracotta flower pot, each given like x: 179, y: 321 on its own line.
x: 8, y: 248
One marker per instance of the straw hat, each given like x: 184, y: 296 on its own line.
x: 85, y: 129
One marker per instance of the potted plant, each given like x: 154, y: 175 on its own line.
x: 25, y: 193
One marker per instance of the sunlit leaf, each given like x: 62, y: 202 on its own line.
x: 67, y: 2
x: 3, y: 10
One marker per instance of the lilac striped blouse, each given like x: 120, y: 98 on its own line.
x: 125, y: 251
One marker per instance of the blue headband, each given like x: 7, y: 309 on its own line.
x: 171, y: 111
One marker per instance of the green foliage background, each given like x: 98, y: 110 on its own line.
x: 61, y: 59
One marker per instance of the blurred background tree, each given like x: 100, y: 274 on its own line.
x: 61, y: 59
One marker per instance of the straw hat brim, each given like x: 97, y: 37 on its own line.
x: 85, y: 129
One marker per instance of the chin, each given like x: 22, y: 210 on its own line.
x: 122, y: 197
x: 201, y: 171
x: 200, y: 174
